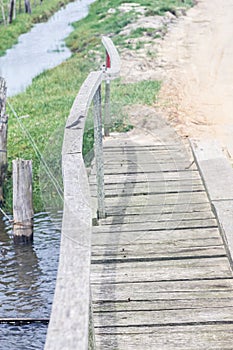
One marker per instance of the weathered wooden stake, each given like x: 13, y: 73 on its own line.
x: 3, y: 13
x: 27, y: 6
x: 99, y: 158
x: 11, y: 11
x: 3, y: 136
x: 22, y: 201
x: 107, y: 119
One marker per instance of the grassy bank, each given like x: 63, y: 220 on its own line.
x: 46, y: 103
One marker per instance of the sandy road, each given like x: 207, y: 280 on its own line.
x: 197, y: 58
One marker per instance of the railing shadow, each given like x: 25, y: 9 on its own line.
x: 122, y: 203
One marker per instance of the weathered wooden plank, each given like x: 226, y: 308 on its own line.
x: 165, y: 208
x: 157, y: 225
x: 163, y: 317
x: 174, y: 290
x: 147, y: 188
x: 143, y: 192
x: 125, y: 143
x: 218, y: 327
x: 145, y: 158
x: 138, y: 151
x: 172, y: 186
x: 118, y: 147
x: 159, y: 241
x: 152, y: 317
x: 161, y: 270
x: 135, y: 168
x: 181, y: 337
x: 167, y: 177
x: 150, y: 252
x: 209, y: 236
x: 157, y: 217
x: 157, y: 199
x: 164, y: 305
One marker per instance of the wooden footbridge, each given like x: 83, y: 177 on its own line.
x: 154, y: 271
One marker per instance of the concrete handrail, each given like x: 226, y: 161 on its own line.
x: 113, y: 63
x: 111, y: 71
x: 70, y: 325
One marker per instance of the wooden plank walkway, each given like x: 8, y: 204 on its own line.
x: 160, y: 275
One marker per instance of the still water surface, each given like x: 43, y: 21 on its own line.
x: 27, y: 282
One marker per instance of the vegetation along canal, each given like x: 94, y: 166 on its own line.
x: 40, y: 49
x: 28, y: 273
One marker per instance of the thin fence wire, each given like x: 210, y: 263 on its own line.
x: 37, y: 152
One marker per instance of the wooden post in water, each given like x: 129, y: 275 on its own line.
x: 3, y: 136
x: 22, y: 201
x: 99, y: 158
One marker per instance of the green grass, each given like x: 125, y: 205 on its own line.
x: 49, y: 99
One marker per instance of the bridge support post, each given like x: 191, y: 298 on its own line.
x: 99, y: 158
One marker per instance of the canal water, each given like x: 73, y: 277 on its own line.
x: 28, y: 273
x: 27, y: 282
x: 40, y: 49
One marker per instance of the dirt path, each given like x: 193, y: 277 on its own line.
x: 198, y: 55
x: 195, y: 60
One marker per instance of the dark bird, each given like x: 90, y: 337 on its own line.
x: 76, y: 122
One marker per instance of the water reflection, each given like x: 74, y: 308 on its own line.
x: 22, y: 337
x: 27, y: 280
x: 40, y: 49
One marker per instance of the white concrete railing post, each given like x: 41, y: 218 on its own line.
x: 107, y: 116
x: 112, y: 71
x: 99, y: 157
